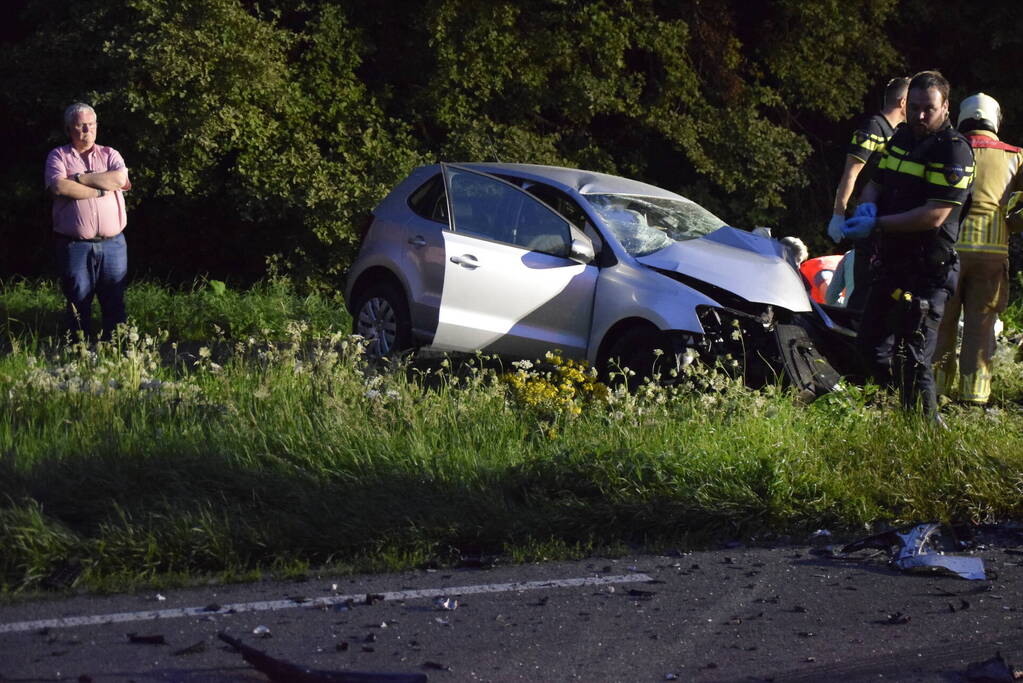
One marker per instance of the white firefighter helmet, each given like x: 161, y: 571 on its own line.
x: 983, y: 108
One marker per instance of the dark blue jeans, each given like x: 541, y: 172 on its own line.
x: 90, y: 269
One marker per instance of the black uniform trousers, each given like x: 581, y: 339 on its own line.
x: 898, y: 333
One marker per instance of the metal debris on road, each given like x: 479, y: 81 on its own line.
x: 994, y: 670
x: 193, y: 649
x: 918, y: 549
x: 445, y: 603
x: 281, y: 671
x: 261, y: 631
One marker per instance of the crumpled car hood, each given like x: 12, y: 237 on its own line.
x: 750, y: 266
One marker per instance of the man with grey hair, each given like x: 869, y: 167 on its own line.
x: 87, y: 182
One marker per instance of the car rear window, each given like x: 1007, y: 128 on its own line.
x: 428, y: 200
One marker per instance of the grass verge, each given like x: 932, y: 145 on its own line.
x: 271, y: 446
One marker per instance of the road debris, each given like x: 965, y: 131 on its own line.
x: 146, y: 640
x: 445, y: 603
x: 193, y: 649
x: 994, y: 670
x: 919, y: 548
x: 262, y: 631
x: 281, y: 671
x: 896, y: 619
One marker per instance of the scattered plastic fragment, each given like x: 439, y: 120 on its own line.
x: 261, y: 631
x: 963, y: 604
x: 671, y: 677
x: 281, y: 671
x: 897, y: 618
x: 191, y: 649
x: 916, y: 548
x: 994, y: 670
x: 444, y: 603
x: 160, y: 598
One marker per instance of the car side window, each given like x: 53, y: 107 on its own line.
x: 493, y: 209
x: 429, y: 201
x: 567, y: 207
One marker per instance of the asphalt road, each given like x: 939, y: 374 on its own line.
x: 738, y: 614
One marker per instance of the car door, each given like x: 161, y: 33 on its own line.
x: 510, y: 286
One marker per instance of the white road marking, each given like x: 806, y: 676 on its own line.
x: 67, y: 622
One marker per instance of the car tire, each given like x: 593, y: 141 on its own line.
x: 381, y: 317
x: 636, y: 350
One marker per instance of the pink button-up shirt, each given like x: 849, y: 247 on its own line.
x: 87, y: 218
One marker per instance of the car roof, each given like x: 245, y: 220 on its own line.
x: 583, y: 182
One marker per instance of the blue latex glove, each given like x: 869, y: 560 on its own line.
x: 859, y: 227
x: 835, y: 227
x: 867, y: 209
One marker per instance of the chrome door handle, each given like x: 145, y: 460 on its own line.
x: 467, y: 260
x: 417, y: 241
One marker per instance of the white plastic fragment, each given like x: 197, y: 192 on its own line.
x: 445, y: 603
x: 918, y: 553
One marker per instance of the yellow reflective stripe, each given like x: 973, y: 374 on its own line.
x: 1015, y: 200
x: 913, y: 168
x: 975, y: 387
x: 995, y: 250
x: 938, y: 178
x: 986, y: 233
x: 869, y: 145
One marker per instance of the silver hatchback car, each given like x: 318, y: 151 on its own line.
x: 518, y: 260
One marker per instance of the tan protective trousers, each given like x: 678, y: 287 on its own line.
x: 982, y: 294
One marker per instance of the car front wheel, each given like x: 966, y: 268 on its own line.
x: 638, y: 354
x: 382, y: 318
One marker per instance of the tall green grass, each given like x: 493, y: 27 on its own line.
x: 276, y: 447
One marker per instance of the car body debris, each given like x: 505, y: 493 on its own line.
x: 445, y: 603
x: 281, y: 671
x: 994, y: 670
x: 919, y: 548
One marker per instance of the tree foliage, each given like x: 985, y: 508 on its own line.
x: 255, y: 128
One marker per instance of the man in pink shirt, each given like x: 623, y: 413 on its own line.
x: 87, y: 182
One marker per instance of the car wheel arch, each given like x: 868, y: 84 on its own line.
x: 374, y: 276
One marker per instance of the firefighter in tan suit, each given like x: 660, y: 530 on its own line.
x: 983, y: 247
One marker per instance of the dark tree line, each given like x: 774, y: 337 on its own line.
x: 265, y: 130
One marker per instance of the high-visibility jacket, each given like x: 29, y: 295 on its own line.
x: 984, y: 231
x: 818, y: 272
x: 938, y: 167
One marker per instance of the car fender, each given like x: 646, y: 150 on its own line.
x: 370, y: 266
x: 627, y: 292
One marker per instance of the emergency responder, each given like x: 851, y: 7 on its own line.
x: 983, y: 246
x: 864, y: 153
x: 913, y: 206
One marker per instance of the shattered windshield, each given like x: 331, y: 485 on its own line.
x: 645, y: 224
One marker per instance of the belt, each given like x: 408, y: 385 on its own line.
x: 69, y: 238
